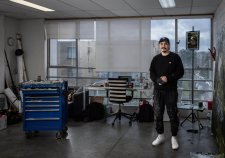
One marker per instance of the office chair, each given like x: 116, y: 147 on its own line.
x: 117, y: 93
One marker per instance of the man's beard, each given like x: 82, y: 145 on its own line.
x: 164, y: 50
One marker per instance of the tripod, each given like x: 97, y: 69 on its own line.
x: 193, y: 119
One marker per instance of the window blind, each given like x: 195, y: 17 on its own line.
x: 69, y: 29
x: 123, y: 45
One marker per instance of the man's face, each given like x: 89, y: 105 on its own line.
x: 164, y: 47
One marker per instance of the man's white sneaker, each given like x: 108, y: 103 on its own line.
x: 159, y: 140
x: 174, y: 143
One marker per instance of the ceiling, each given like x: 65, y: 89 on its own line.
x: 107, y: 8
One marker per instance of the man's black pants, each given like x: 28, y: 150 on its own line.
x: 166, y: 98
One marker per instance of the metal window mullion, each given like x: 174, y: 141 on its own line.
x: 48, y: 57
x: 176, y: 36
x: 77, y: 49
x: 77, y: 65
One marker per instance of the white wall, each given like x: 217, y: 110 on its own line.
x: 33, y: 40
x: 11, y: 28
x: 218, y: 21
x: 218, y: 117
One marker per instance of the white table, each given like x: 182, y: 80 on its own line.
x: 102, y: 91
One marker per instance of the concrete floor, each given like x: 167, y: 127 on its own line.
x: 100, y: 140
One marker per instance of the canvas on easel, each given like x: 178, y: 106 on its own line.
x: 192, y: 40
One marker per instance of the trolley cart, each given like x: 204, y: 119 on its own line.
x: 45, y: 107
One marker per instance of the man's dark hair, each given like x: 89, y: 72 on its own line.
x: 164, y: 39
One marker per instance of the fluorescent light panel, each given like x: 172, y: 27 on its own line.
x: 32, y: 5
x: 167, y: 3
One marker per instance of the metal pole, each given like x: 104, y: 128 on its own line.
x: 192, y: 88
x: 193, y: 64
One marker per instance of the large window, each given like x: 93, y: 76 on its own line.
x: 72, y: 60
x: 163, y: 28
x: 83, y: 52
x: 202, y: 70
x: 62, y: 52
x: 123, y: 45
x: 71, y: 51
x: 62, y: 59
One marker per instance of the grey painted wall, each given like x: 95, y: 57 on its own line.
x: 2, y: 64
x: 33, y: 41
x: 218, y: 119
x: 11, y: 28
x: 33, y: 37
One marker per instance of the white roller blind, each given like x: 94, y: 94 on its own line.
x: 123, y: 45
x: 86, y: 29
x: 61, y: 29
x: 69, y: 29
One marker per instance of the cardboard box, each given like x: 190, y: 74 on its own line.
x: 3, y: 122
x: 97, y: 99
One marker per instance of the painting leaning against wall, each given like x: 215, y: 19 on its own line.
x: 218, y: 119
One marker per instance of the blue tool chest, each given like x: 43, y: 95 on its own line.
x: 45, y: 107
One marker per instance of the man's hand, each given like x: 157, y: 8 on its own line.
x: 163, y: 78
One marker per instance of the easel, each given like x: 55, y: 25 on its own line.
x: 193, y: 119
x: 193, y: 44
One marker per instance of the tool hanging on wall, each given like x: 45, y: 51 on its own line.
x: 22, y: 74
x: 213, y: 53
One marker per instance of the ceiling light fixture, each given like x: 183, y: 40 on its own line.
x: 167, y: 3
x: 32, y: 5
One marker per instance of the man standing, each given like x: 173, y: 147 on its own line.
x: 165, y: 70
